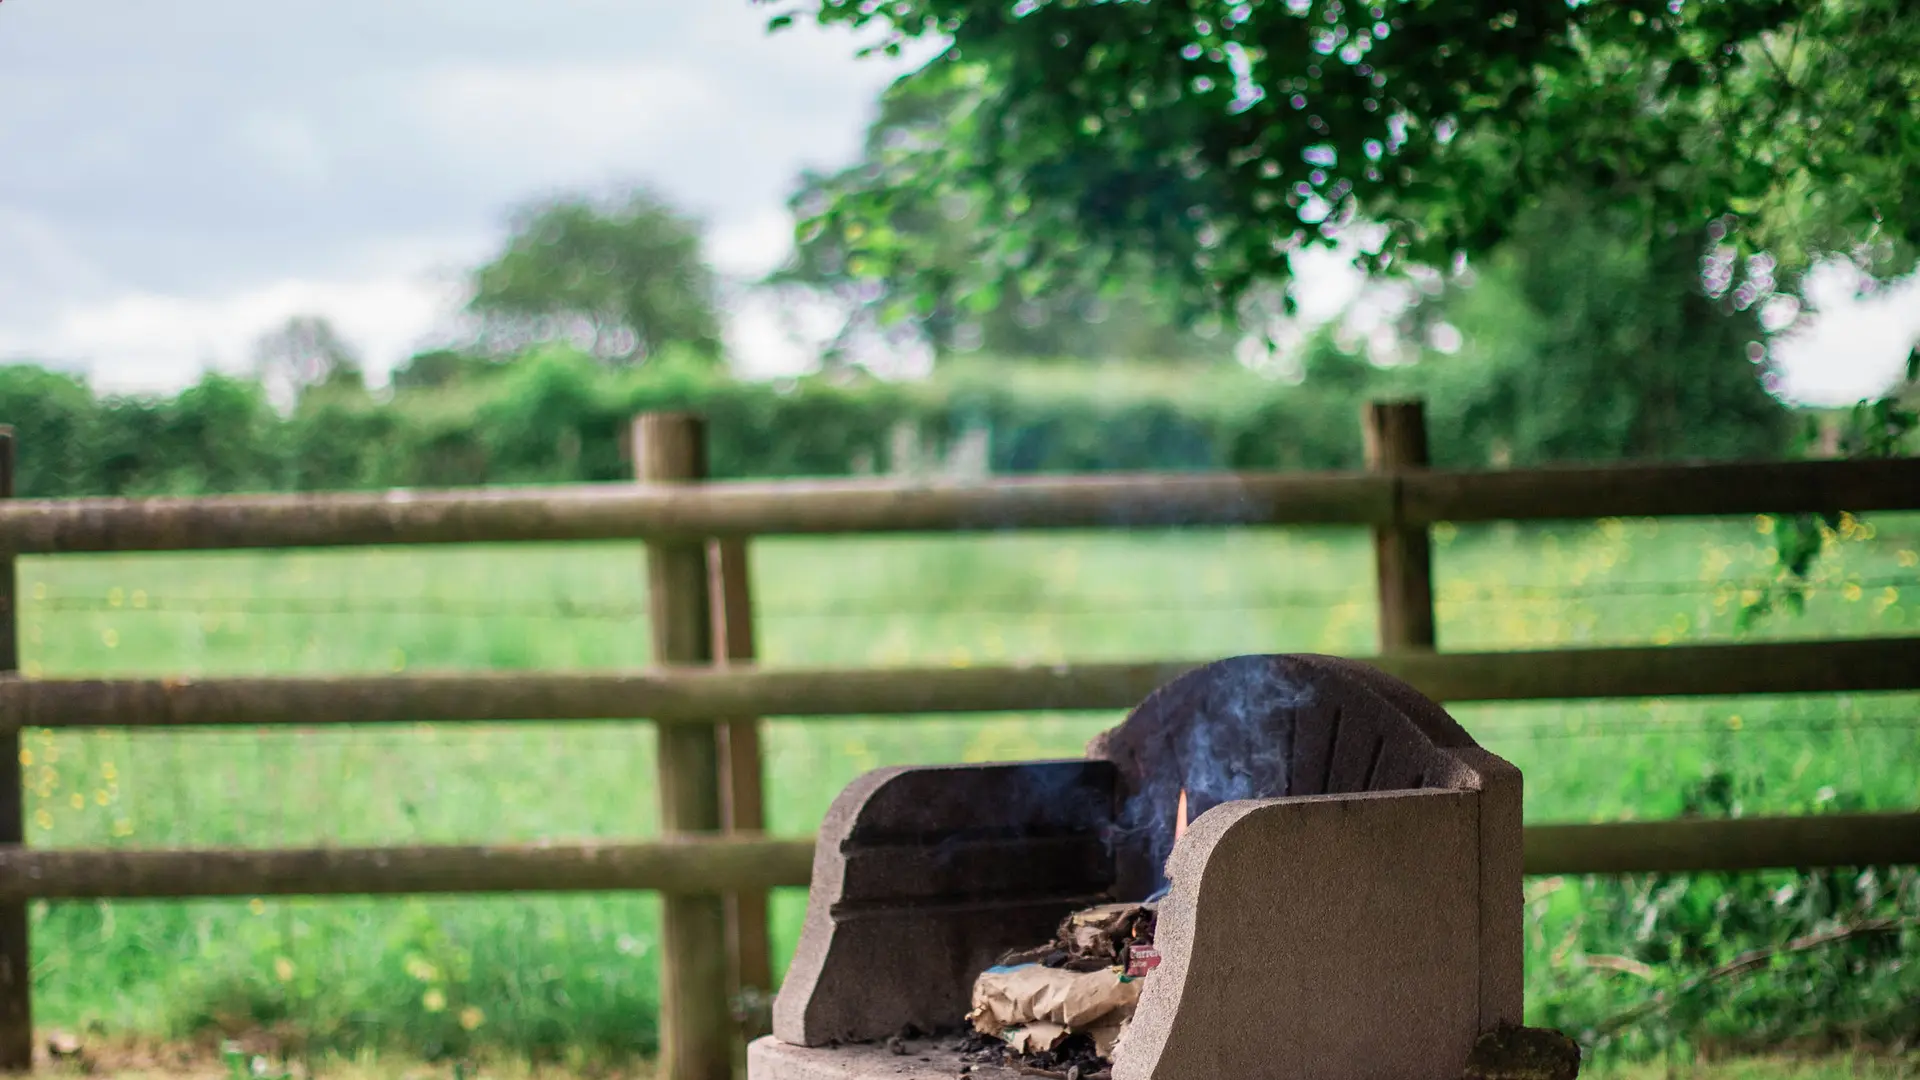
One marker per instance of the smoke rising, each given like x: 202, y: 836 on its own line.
x: 1236, y: 743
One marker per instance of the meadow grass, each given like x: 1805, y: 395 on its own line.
x: 540, y: 974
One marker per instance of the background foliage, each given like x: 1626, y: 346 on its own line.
x: 1187, y: 132
x: 558, y: 415
x: 623, y: 280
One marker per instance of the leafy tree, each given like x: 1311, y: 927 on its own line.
x: 303, y: 354
x: 622, y: 279
x: 442, y: 367
x: 1215, y: 136
x: 217, y: 435
x: 1583, y: 339
x: 56, y: 422
x: 943, y: 240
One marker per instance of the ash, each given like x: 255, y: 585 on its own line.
x: 1073, y: 1059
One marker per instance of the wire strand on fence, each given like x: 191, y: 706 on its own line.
x: 1692, y: 726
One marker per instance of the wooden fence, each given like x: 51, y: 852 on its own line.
x: 713, y: 864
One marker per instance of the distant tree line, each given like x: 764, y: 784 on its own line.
x: 556, y: 414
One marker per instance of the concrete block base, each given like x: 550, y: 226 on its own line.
x: 925, y: 1059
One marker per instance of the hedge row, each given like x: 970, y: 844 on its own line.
x: 555, y: 416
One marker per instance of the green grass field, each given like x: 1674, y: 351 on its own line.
x: 536, y: 974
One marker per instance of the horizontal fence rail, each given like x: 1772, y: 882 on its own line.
x: 690, y: 866
x: 684, y: 512
x: 692, y: 696
x: 676, y: 866
x: 1694, y: 844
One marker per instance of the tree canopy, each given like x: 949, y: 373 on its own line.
x: 1214, y: 137
x: 623, y: 280
x: 940, y: 240
x: 1581, y: 341
x: 303, y: 354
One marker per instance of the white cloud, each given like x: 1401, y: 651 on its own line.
x: 287, y: 144
x: 770, y: 334
x: 750, y: 247
x: 548, y: 123
x: 1848, y: 345
x: 41, y: 262
x: 148, y: 342
x: 1325, y: 282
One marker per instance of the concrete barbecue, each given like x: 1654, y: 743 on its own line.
x: 1283, y: 866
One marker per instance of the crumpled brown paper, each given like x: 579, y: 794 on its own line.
x: 1034, y: 1038
x: 1033, y: 1007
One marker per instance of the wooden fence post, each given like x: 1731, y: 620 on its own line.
x: 696, y: 1030
x: 1396, y: 440
x: 742, y: 789
x: 16, y: 978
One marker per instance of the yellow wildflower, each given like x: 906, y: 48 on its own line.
x: 471, y: 1017
x: 433, y: 1000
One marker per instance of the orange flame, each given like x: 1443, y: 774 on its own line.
x: 1180, y: 817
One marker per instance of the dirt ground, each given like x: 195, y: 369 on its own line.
x: 128, y: 1060
x: 140, y: 1060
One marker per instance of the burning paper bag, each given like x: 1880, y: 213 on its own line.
x: 1093, y: 939
x: 1030, y: 994
x: 1103, y: 932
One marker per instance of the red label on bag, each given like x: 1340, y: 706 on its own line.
x: 1141, y: 959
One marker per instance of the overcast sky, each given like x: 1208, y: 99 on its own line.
x: 177, y: 178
